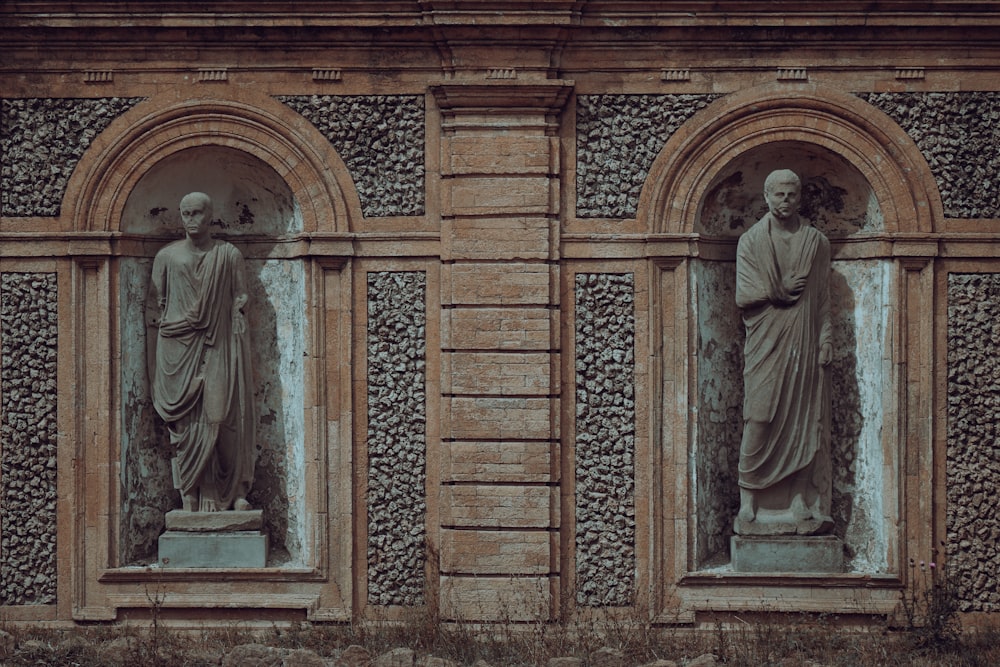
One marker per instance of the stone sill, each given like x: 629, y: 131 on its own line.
x: 132, y: 575
x: 830, y: 580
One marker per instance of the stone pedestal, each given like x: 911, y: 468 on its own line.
x: 789, y: 553
x: 213, y: 539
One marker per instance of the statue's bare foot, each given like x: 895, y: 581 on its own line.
x: 748, y: 508
x: 799, y: 510
x: 188, y: 501
x: 241, y: 505
x: 208, y: 505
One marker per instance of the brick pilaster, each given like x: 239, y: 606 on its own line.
x: 500, y: 348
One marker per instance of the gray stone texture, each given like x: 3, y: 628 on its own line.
x: 617, y: 139
x: 381, y: 140
x: 788, y: 554
x: 605, y: 439
x: 41, y: 141
x: 973, y: 458
x: 208, y: 522
x: 213, y: 550
x: 397, y: 343
x: 958, y: 133
x: 28, y: 432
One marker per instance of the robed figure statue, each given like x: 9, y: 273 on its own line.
x: 201, y: 373
x: 782, y: 287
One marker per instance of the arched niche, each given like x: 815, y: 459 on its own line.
x: 865, y: 185
x: 841, y: 203
x: 248, y: 195
x: 254, y: 208
x: 836, y: 197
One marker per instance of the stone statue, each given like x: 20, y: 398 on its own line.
x: 782, y: 287
x: 200, y: 369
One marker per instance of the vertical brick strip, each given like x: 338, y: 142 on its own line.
x: 397, y: 345
x: 605, y: 439
x: 28, y: 335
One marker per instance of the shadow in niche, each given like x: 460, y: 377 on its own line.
x: 847, y: 418
x: 269, y: 491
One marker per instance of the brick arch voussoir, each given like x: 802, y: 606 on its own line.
x: 258, y: 125
x: 842, y: 123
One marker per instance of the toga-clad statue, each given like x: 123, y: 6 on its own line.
x: 782, y: 287
x: 200, y: 370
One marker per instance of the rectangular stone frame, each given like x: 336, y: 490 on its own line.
x: 101, y: 590
x: 684, y: 595
x: 645, y: 372
x: 64, y: 457
x: 358, y: 374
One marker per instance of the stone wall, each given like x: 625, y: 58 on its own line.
x: 397, y: 416
x: 381, y: 139
x: 605, y: 439
x: 41, y: 141
x: 617, y: 139
x: 958, y: 133
x: 28, y: 369
x: 513, y: 432
x: 973, y: 466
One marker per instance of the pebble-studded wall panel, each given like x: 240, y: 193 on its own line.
x: 958, y: 134
x: 617, y: 139
x: 973, y: 460
x: 41, y: 141
x: 397, y: 345
x: 28, y: 337
x: 381, y: 140
x: 605, y: 439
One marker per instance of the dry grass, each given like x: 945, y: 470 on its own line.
x: 781, y: 642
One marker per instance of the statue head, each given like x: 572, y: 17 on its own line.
x: 196, y: 213
x: 782, y: 191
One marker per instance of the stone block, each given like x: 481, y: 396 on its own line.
x: 499, y: 154
x: 497, y: 328
x: 191, y: 549
x: 499, y: 284
x: 497, y: 461
x: 497, y: 194
x: 211, y: 522
x: 791, y: 553
x: 497, y: 238
x: 495, y: 552
x: 498, y: 506
x: 496, y: 418
x: 495, y: 598
x: 522, y: 373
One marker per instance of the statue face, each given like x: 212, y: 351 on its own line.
x: 195, y: 215
x: 783, y: 200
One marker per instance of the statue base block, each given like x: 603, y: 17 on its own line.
x: 188, y: 549
x: 213, y: 539
x: 774, y: 554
